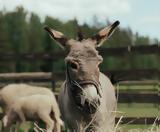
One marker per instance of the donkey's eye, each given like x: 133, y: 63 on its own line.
x: 73, y: 65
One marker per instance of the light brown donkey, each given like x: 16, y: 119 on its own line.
x: 87, y: 99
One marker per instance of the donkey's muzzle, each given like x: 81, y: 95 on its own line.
x: 91, y: 107
x: 90, y: 99
x: 91, y: 82
x: 87, y: 94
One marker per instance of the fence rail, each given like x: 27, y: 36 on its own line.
x: 29, y: 76
x: 115, y: 76
x: 142, y: 97
x: 48, y: 76
x: 123, y: 97
x: 140, y: 120
x: 121, y: 51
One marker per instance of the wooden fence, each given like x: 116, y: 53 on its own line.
x: 121, y: 51
x: 116, y: 76
x: 126, y: 97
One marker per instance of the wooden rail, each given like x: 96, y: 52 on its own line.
x: 123, y: 97
x: 140, y: 120
x: 25, y: 77
x: 121, y: 51
x: 129, y: 97
x: 136, y: 75
x: 115, y: 76
x: 142, y: 97
x: 141, y: 83
x: 133, y: 75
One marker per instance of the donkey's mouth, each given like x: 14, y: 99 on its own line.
x: 89, y: 107
x: 88, y: 100
x: 87, y: 95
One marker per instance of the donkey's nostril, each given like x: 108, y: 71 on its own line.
x: 73, y: 65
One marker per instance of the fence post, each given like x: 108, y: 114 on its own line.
x: 53, y: 83
x: 158, y: 85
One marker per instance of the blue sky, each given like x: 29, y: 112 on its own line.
x: 142, y: 16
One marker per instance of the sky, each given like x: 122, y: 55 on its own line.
x: 142, y: 16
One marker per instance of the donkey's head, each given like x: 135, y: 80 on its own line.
x: 82, y: 64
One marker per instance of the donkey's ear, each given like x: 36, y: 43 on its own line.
x: 105, y: 33
x: 58, y: 36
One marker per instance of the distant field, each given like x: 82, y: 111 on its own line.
x: 145, y: 85
x: 139, y: 110
x: 138, y: 128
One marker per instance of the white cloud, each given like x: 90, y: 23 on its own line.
x: 154, y: 19
x: 83, y: 10
x: 148, y: 25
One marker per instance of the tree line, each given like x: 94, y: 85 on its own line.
x: 24, y: 33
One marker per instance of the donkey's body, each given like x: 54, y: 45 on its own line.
x: 87, y: 98
x: 104, y: 118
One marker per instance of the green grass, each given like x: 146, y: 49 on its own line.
x: 138, y: 87
x: 138, y: 128
x: 139, y: 110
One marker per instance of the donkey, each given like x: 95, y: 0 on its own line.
x: 87, y: 98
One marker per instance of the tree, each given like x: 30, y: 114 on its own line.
x: 20, y: 34
x: 35, y: 40
x: 17, y: 31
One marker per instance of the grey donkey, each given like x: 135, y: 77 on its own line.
x: 87, y: 98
